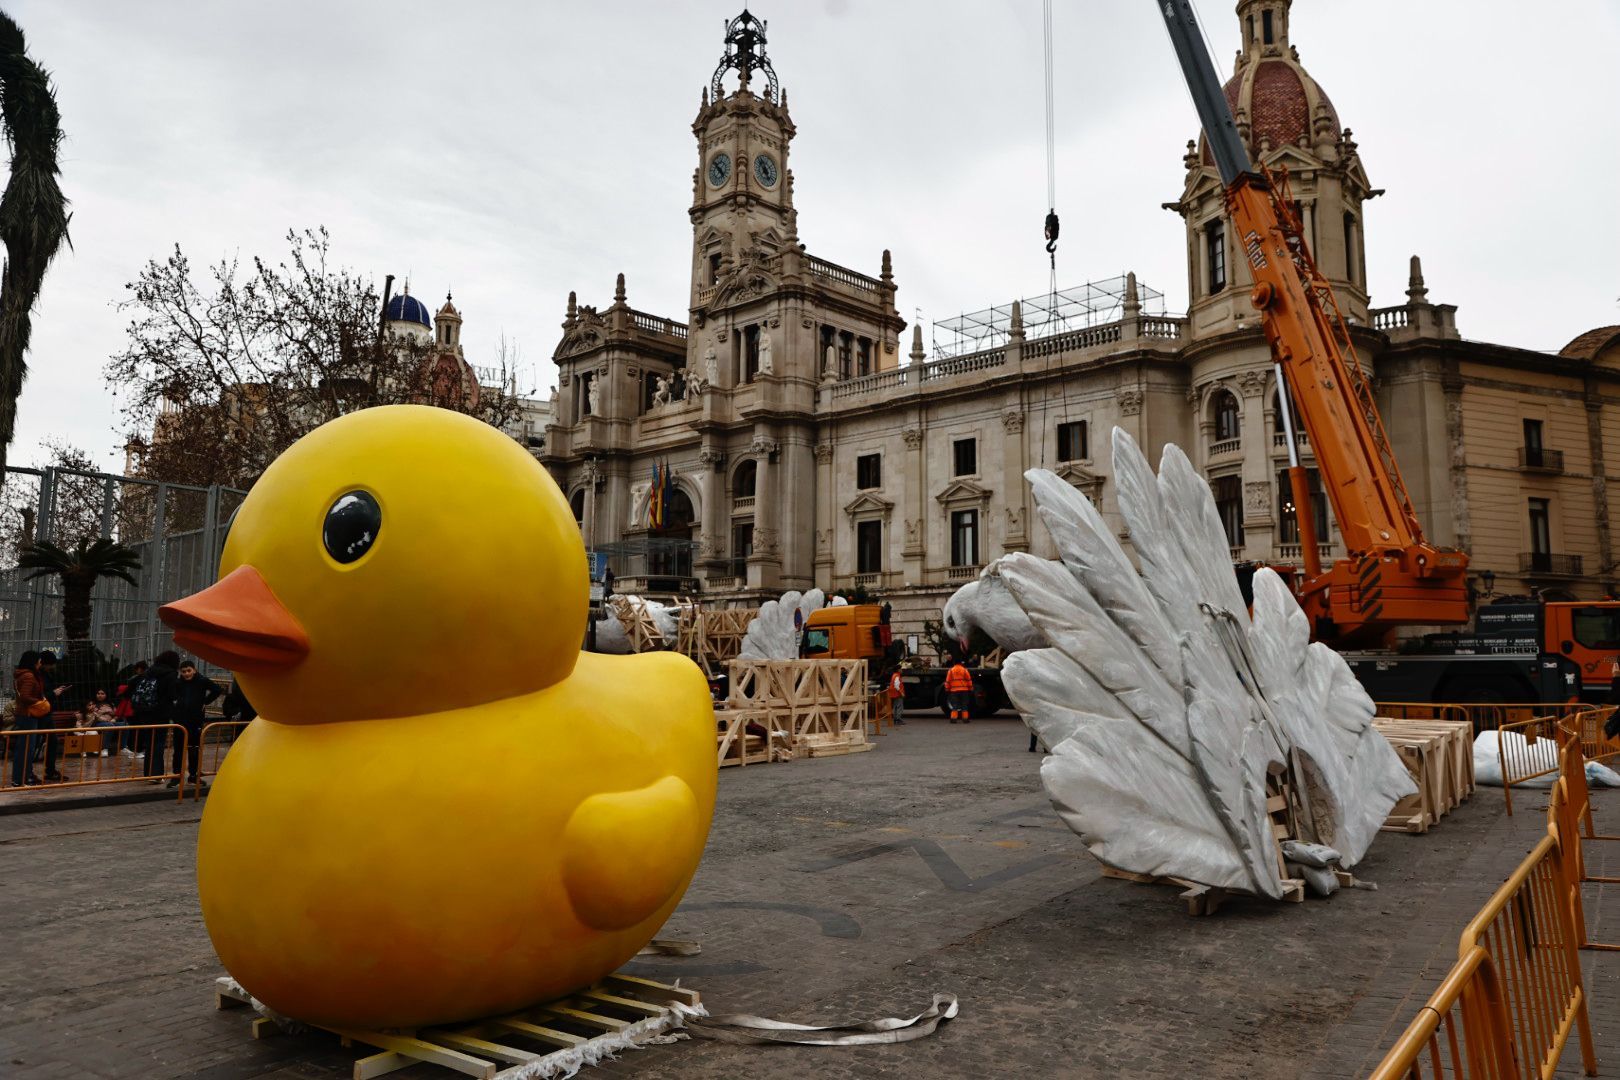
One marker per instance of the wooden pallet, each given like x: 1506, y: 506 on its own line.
x: 1439, y: 754
x: 543, y: 1041
x: 1204, y: 899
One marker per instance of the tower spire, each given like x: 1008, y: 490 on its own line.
x: 745, y: 53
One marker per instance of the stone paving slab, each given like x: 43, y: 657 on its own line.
x: 832, y: 889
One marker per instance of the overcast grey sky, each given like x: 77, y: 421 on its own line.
x: 513, y: 151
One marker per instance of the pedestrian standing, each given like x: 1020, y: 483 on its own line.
x: 33, y: 714
x: 152, y: 698
x: 897, y: 697
x: 192, y: 694
x: 959, y: 693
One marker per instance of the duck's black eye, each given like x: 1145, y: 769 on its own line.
x: 351, y: 526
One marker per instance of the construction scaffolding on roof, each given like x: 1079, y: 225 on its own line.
x: 1092, y: 304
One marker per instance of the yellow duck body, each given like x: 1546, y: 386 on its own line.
x: 521, y: 834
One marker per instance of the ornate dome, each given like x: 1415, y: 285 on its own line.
x: 407, y: 308
x: 1273, y: 99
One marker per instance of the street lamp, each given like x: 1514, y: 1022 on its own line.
x: 1487, y: 582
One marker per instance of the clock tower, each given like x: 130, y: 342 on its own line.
x: 742, y: 192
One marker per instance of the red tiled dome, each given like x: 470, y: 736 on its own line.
x: 1277, y: 106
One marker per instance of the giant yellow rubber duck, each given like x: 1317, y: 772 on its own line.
x: 445, y: 810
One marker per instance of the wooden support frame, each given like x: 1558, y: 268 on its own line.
x: 619, y: 1007
x: 821, y: 704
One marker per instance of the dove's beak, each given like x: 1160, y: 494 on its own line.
x: 238, y: 623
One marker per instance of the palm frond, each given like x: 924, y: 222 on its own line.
x: 33, y: 211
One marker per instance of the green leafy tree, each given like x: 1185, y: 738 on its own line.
x: 33, y: 210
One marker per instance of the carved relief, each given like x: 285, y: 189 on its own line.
x: 914, y: 527
x: 1012, y: 420
x: 807, y: 322
x: 713, y: 457
x: 824, y: 453
x: 1015, y: 521
x: 1252, y: 383
x: 824, y: 539
x: 913, y: 437
x: 762, y: 446
x: 1130, y: 402
x: 1257, y: 499
x: 765, y: 542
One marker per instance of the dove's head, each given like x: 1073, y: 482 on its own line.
x: 381, y: 560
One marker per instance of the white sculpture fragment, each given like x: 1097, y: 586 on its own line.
x: 1167, y: 707
x: 611, y: 636
x: 774, y: 634
x: 986, y: 604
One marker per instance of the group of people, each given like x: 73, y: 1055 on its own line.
x: 132, y: 718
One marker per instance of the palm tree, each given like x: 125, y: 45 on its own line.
x: 33, y: 210
x: 80, y: 568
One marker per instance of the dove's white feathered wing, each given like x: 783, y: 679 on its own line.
x: 1161, y: 725
x: 774, y: 633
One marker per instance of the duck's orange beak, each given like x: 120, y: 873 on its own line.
x: 238, y: 623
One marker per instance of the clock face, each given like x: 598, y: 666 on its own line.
x: 765, y: 170
x: 719, y: 169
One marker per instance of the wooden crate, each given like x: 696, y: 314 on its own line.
x: 736, y: 746
x: 1439, y: 754
x: 544, y: 1041
x: 713, y: 636
x: 805, y: 698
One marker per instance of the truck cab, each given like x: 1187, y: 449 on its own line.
x: 848, y: 632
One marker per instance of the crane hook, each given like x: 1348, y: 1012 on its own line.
x: 1051, y: 231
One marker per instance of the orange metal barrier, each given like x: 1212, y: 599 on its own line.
x: 79, y: 758
x: 1423, y: 710
x: 1516, y: 988
x: 1530, y: 759
x: 213, y: 743
x: 1462, y: 1031
x: 1572, y: 809
x: 1595, y: 746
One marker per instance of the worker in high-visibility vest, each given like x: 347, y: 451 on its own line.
x: 959, y: 693
x: 897, y: 697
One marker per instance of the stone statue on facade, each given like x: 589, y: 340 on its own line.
x: 660, y: 396
x: 593, y: 394
x: 711, y: 368
x: 767, y: 365
x: 829, y: 367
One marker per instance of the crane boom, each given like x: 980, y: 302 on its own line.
x: 1392, y: 575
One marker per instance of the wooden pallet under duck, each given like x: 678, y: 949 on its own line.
x: 553, y: 1039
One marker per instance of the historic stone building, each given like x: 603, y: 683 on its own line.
x: 803, y: 452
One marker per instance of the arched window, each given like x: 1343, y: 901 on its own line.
x: 1352, y: 249
x: 576, y: 503
x: 743, y: 481
x: 1225, y: 410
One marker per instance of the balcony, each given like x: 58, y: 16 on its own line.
x: 868, y: 581
x: 1296, y: 552
x: 1546, y: 563
x: 962, y: 573
x: 654, y: 584
x: 1540, y: 459
x: 1279, y: 440
x: 742, y: 503
x: 1224, y: 447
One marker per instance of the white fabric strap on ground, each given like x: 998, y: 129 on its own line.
x: 744, y: 1028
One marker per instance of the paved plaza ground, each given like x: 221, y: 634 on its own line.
x: 838, y: 888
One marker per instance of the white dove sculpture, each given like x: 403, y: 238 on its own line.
x: 774, y: 633
x: 985, y: 604
x: 1166, y: 705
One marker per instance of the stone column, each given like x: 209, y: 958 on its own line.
x: 1259, y: 523
x: 1014, y: 458
x: 712, y: 552
x: 765, y: 564
x: 796, y: 511
x: 915, y: 548
x: 825, y: 511
x: 1600, y: 481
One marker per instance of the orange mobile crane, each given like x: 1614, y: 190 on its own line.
x: 1391, y: 576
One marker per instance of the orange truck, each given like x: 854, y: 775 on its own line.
x: 861, y: 632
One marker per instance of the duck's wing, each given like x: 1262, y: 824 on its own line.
x: 628, y: 853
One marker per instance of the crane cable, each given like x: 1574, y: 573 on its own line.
x: 1051, y: 148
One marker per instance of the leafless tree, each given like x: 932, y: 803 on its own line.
x: 227, y: 372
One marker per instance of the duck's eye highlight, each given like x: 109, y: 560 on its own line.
x: 351, y: 526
